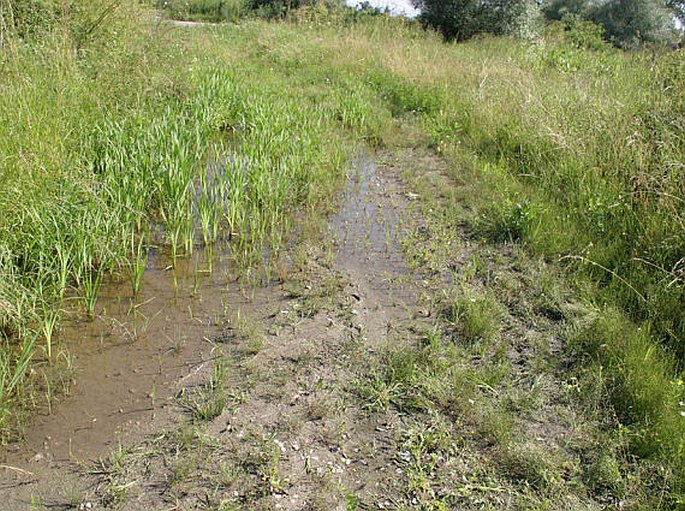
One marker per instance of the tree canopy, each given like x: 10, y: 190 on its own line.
x: 626, y: 23
x: 462, y: 19
x: 630, y: 23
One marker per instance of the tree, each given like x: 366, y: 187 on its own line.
x: 462, y: 19
x: 626, y: 23
x: 455, y: 19
x: 518, y: 18
x: 558, y: 10
x: 631, y: 23
x: 678, y: 9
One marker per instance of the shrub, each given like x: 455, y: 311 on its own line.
x: 275, y: 8
x: 626, y: 23
x: 204, y: 10
x: 463, y: 19
x: 29, y: 19
x: 631, y: 23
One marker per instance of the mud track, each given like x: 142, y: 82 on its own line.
x: 313, y: 395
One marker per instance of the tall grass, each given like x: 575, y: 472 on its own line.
x: 58, y: 230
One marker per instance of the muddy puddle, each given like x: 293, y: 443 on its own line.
x: 134, y: 356
x: 368, y: 230
x: 129, y: 359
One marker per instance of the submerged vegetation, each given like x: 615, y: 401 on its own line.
x: 121, y: 135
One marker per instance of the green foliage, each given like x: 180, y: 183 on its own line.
x: 585, y: 34
x: 575, y: 46
x: 31, y: 19
x: 474, y: 318
x: 517, y: 18
x: 276, y: 8
x: 455, y: 19
x: 559, y: 10
x: 229, y: 10
x: 678, y: 8
x: 626, y: 23
x: 37, y: 20
x: 535, y: 465
x: 404, y: 97
x: 631, y: 23
x: 209, y: 401
x: 511, y: 220
x: 204, y: 10
x: 604, y: 474
x: 463, y: 19
x: 640, y: 384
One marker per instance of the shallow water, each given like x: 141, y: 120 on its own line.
x: 367, y: 226
x: 132, y: 358
x: 369, y: 229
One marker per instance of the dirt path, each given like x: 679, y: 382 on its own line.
x: 362, y: 383
x: 184, y: 24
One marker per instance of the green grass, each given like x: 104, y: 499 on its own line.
x: 210, y: 400
x: 203, y: 10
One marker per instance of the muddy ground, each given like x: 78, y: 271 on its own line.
x: 402, y: 363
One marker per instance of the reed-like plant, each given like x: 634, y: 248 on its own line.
x: 138, y: 261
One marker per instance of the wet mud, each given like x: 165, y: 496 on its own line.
x: 136, y: 355
x: 368, y: 230
x: 129, y: 359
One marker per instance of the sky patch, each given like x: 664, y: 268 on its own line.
x: 396, y: 7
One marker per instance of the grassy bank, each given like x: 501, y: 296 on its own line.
x: 576, y: 155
